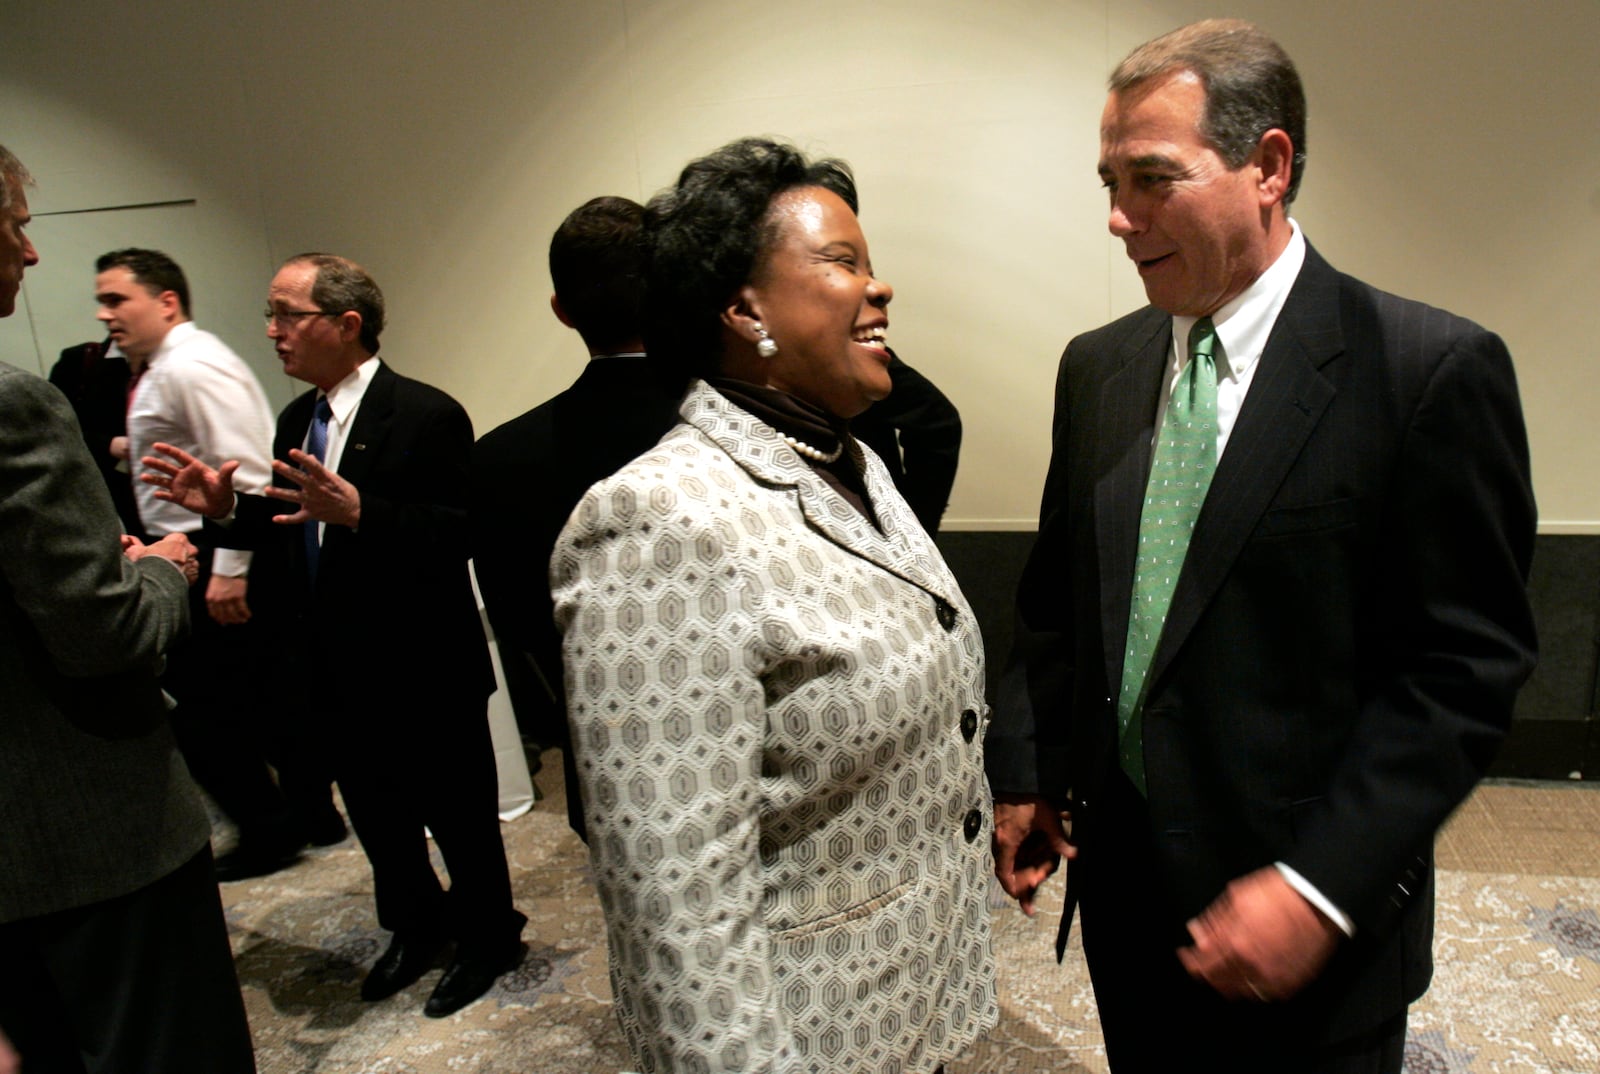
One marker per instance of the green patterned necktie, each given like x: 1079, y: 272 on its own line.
x: 1180, y: 473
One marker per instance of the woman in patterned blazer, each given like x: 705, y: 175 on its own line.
x: 775, y: 687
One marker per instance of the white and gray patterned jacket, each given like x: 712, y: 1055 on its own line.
x: 778, y: 718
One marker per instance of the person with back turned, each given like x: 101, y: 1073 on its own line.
x: 528, y: 474
x: 1276, y: 616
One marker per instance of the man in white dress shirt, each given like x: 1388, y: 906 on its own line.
x: 189, y: 388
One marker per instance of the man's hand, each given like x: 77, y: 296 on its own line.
x: 10, y: 1062
x: 119, y: 447
x: 186, y: 481
x: 1028, y: 845
x: 225, y: 599
x: 1260, y: 940
x: 174, y: 547
x: 323, y: 495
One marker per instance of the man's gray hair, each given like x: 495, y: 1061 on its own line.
x: 342, y: 286
x: 13, y: 176
x: 1251, y: 86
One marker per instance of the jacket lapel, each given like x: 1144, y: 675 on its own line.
x: 1286, y: 400
x: 1127, y: 405
x: 903, y: 548
x: 292, y: 426
x: 373, y: 419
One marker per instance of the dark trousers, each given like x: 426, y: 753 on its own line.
x: 140, y: 983
x: 396, y: 783
x: 1155, y: 1017
x: 228, y: 733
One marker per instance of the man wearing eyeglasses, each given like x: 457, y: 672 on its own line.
x: 188, y: 388
x: 380, y: 634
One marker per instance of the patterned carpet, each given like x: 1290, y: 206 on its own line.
x: 1517, y: 987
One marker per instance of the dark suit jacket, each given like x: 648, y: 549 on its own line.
x: 392, y: 601
x: 1348, y: 633
x: 527, y: 476
x: 96, y: 800
x: 916, y: 431
x: 97, y: 387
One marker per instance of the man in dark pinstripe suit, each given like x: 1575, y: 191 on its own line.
x: 1346, y: 632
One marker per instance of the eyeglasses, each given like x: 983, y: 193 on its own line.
x: 287, y: 319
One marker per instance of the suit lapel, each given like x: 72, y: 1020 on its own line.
x: 373, y: 419
x: 292, y: 426
x: 1127, y: 405
x: 892, y: 549
x: 1286, y: 400
x: 903, y: 548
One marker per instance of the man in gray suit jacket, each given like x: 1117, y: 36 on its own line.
x: 114, y: 951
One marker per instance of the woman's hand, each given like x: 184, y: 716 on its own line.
x: 1029, y: 843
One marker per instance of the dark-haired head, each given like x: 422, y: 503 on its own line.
x: 1251, y: 86
x: 708, y: 233
x: 597, y: 261
x: 151, y: 269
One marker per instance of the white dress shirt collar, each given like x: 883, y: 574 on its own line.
x: 1245, y: 322
x: 1243, y: 326
x: 175, y: 335
x: 343, y: 402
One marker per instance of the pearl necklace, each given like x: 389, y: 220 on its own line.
x: 826, y: 458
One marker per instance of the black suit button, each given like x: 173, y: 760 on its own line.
x: 972, y: 825
x: 969, y: 724
x: 944, y: 613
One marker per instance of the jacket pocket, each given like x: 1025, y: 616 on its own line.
x: 845, y: 917
x: 1308, y: 518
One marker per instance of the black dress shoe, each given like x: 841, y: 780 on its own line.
x: 249, y: 860
x: 469, y: 976
x: 411, y: 954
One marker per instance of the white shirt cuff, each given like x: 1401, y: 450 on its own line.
x: 1318, y: 899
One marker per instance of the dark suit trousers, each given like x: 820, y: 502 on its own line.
x: 1155, y: 1017
x: 396, y: 782
x: 216, y: 676
x: 228, y: 733
x: 140, y: 983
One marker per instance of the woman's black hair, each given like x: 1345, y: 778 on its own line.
x: 707, y: 233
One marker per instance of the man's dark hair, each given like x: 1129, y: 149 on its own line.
x: 1251, y: 86
x: 597, y: 261
x: 341, y: 286
x: 12, y: 176
x: 150, y: 269
x: 707, y: 234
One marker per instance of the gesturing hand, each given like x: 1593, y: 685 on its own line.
x: 323, y: 495
x: 1260, y: 939
x: 186, y: 481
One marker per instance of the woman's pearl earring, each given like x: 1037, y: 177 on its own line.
x: 766, y: 346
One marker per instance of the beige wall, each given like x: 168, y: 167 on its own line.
x: 1454, y: 155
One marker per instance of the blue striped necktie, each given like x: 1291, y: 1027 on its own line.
x: 317, y: 447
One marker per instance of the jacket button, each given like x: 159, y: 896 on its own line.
x: 969, y: 724
x: 972, y: 825
x: 944, y: 613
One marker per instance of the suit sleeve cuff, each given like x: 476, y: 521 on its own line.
x: 1316, y: 898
